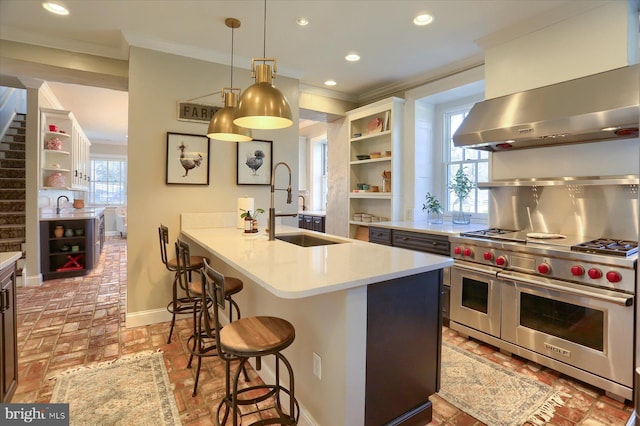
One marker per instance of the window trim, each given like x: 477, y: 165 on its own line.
x: 108, y: 157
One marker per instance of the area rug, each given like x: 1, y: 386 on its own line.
x: 492, y: 393
x: 133, y: 390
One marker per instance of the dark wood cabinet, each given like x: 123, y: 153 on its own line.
x: 75, y: 252
x: 419, y: 241
x: 380, y: 235
x: 8, y: 330
x: 430, y: 243
x: 311, y: 222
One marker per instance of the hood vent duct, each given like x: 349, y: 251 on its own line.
x: 589, y: 109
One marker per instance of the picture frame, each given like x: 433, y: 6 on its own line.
x: 187, y: 159
x: 254, y: 162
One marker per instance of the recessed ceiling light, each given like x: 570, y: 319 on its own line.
x: 56, y: 8
x: 330, y: 83
x: 352, y: 57
x: 302, y: 21
x: 421, y: 20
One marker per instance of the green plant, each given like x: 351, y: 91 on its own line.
x: 432, y: 205
x: 461, y: 185
x: 255, y: 214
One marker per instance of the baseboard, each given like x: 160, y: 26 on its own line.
x: 141, y: 318
x: 29, y: 280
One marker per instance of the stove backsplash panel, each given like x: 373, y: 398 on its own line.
x: 609, y: 211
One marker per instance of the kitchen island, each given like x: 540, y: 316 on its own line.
x: 77, y: 247
x: 367, y: 319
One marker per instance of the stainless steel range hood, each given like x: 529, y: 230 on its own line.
x: 594, y: 108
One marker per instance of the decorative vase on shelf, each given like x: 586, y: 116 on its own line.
x: 58, y: 231
x: 68, y: 232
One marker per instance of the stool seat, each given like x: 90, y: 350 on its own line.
x: 195, y: 263
x: 231, y: 286
x: 254, y: 336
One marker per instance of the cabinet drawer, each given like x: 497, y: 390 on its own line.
x: 380, y: 236
x: 430, y: 243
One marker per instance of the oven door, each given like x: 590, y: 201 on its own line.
x: 588, y: 328
x: 475, y: 297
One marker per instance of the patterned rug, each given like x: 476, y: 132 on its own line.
x: 492, y: 393
x: 132, y: 390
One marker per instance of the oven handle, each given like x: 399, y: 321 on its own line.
x: 624, y: 301
x: 473, y: 267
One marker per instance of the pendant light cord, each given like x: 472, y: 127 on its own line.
x: 232, y: 30
x: 264, y: 32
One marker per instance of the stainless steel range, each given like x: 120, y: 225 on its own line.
x: 563, y: 301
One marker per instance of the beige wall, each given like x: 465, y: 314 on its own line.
x: 157, y: 81
x: 598, y: 40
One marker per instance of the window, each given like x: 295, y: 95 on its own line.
x: 475, y: 164
x: 319, y: 172
x: 108, y: 181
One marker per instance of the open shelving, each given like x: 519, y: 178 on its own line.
x: 375, y: 128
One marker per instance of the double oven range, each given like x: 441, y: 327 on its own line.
x: 561, y: 301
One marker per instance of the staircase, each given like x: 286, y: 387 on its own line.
x: 13, y: 187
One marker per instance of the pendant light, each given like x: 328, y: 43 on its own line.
x: 221, y: 126
x: 262, y: 105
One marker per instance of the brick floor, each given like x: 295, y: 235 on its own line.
x: 77, y: 321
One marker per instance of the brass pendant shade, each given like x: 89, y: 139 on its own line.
x: 262, y: 105
x: 221, y: 126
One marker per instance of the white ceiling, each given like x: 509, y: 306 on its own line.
x: 395, y: 53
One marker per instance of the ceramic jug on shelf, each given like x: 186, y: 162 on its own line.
x: 58, y: 231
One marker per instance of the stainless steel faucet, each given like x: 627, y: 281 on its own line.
x: 304, y: 206
x: 272, y: 210
x: 58, y: 203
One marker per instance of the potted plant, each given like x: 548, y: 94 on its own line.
x: 247, y: 216
x: 461, y: 185
x: 433, y: 208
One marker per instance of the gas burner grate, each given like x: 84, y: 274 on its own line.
x: 488, y: 232
x: 608, y: 246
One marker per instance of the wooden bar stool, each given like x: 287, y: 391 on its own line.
x: 200, y: 344
x: 180, y: 304
x: 245, y: 338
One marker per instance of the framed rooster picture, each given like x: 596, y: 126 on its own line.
x: 255, y: 161
x: 187, y: 159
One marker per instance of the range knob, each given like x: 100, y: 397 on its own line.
x: 457, y: 250
x: 487, y: 255
x: 594, y: 273
x: 577, y: 270
x: 501, y: 261
x: 467, y: 252
x: 544, y: 268
x: 613, y: 277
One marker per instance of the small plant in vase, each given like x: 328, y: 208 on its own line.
x: 433, y: 208
x: 461, y: 185
x: 250, y: 220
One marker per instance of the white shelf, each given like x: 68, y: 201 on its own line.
x: 370, y: 136
x: 55, y: 169
x: 370, y: 160
x: 56, y: 151
x: 57, y: 187
x: 64, y: 135
x: 374, y: 195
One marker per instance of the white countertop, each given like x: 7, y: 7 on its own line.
x: 7, y: 258
x: 289, y: 271
x: 71, y: 214
x: 312, y: 212
x: 446, y: 228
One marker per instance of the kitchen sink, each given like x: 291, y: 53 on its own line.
x: 304, y: 240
